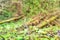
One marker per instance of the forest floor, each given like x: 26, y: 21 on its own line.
x: 40, y: 21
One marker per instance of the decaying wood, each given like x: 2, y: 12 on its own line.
x: 36, y: 19
x: 46, y: 20
x: 43, y: 23
x: 11, y: 19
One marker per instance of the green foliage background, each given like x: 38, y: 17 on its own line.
x: 29, y: 8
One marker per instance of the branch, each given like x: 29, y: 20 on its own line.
x: 11, y: 19
x: 45, y: 22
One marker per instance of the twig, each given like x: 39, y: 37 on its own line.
x: 11, y: 19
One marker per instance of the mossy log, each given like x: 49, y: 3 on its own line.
x: 45, y: 22
x: 11, y: 19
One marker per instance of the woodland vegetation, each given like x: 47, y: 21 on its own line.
x: 29, y: 19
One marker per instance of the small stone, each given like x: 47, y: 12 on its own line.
x: 58, y: 32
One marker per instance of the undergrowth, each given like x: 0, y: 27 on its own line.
x: 30, y: 8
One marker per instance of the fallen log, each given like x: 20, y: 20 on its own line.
x: 11, y: 19
x: 45, y: 22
